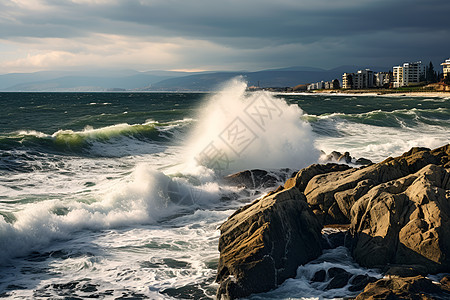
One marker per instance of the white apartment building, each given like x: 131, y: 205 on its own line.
x: 360, y: 80
x: 363, y: 79
x: 347, y: 80
x: 408, y: 73
x: 446, y: 68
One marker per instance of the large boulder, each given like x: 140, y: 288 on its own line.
x: 405, y: 221
x: 413, y: 288
x: 263, y: 243
x: 332, y: 194
x: 302, y: 178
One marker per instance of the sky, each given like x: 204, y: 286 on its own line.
x: 207, y: 35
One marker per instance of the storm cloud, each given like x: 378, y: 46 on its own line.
x: 220, y: 35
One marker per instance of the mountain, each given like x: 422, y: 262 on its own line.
x: 286, y: 77
x: 94, y: 80
x: 104, y: 80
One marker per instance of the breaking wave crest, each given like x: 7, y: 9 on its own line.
x: 85, y: 141
x: 239, y: 130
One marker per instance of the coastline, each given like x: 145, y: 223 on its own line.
x: 385, y: 93
x: 374, y: 93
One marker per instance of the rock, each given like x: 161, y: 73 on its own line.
x: 406, y: 271
x: 339, y: 278
x: 403, y: 288
x: 399, y: 211
x: 445, y: 283
x: 335, y: 239
x: 405, y: 221
x: 326, y: 190
x: 263, y: 243
x: 345, y: 158
x: 302, y: 178
x: 363, y: 161
x: 252, y: 179
x: 359, y: 282
x: 319, y: 276
x: 333, y: 156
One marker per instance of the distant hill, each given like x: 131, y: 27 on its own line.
x: 96, y: 80
x: 286, y: 77
x: 115, y: 80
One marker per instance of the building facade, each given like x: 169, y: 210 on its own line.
x: 321, y: 85
x: 409, y: 73
x: 383, y: 79
x: 362, y: 79
x: 446, y: 68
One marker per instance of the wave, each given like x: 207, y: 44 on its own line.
x: 145, y: 196
x: 400, y: 118
x: 238, y: 130
x: 105, y: 141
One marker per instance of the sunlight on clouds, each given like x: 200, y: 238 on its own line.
x: 31, y: 4
x: 99, y: 50
x: 94, y: 2
x: 107, y: 50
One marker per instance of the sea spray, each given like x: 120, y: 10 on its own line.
x: 145, y: 196
x: 239, y: 130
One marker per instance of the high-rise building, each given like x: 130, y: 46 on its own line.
x: 408, y: 73
x: 347, y: 80
x: 360, y: 80
x: 363, y: 79
x: 446, y: 68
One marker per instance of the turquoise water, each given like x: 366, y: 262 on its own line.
x: 101, y: 194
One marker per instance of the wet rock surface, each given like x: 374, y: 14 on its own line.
x: 252, y: 179
x: 412, y: 288
x: 263, y: 243
x: 398, y: 212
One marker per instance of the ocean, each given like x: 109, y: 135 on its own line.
x: 119, y: 195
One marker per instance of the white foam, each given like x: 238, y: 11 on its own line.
x: 377, y: 143
x: 301, y: 287
x: 251, y: 130
x: 145, y: 196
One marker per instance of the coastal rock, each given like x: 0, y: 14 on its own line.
x: 319, y: 276
x: 346, y: 158
x: 252, y: 179
x: 405, y: 221
x: 445, y: 283
x: 411, y: 288
x: 301, y: 179
x: 263, y: 243
x: 339, y: 278
x: 406, y: 271
x: 398, y: 212
x: 359, y: 282
x: 363, y: 161
x: 333, y: 194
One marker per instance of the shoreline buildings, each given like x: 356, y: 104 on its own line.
x: 408, y: 73
x: 446, y: 68
x: 364, y: 79
x: 360, y: 80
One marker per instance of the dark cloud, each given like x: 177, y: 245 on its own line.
x: 282, y: 32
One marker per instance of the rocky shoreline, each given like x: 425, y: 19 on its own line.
x: 396, y: 214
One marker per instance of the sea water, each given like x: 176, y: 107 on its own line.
x: 118, y: 195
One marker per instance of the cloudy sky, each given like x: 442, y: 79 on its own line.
x: 219, y: 34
